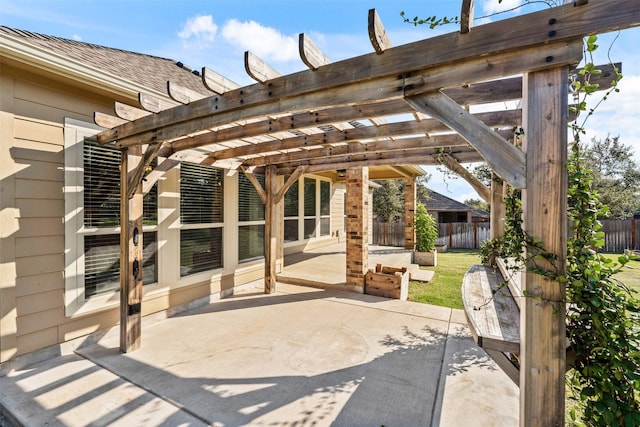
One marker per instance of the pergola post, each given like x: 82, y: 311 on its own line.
x: 357, y: 226
x: 497, y: 208
x: 409, y: 213
x: 544, y: 203
x: 270, y: 230
x: 130, y: 254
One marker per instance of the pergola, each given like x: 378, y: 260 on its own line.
x: 331, y: 117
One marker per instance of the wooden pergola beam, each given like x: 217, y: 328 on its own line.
x: 257, y: 69
x: 377, y: 34
x: 466, y: 16
x: 127, y: 112
x: 292, y: 178
x: 425, y: 158
x: 182, y: 94
x: 505, y: 159
x: 252, y: 102
x: 326, y: 153
x: 154, y: 104
x: 452, y: 164
x: 216, y: 82
x: 495, y: 119
x: 356, y: 74
x: 256, y: 184
x: 310, y: 53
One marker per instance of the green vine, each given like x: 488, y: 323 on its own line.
x: 603, y: 314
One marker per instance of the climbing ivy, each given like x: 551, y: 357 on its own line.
x: 603, y: 314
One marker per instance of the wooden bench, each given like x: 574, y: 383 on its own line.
x: 493, y: 317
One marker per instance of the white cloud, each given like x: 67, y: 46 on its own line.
x: 493, y: 6
x: 77, y: 38
x: 199, y: 30
x: 266, y: 42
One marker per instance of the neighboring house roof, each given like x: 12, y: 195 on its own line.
x: 146, y: 70
x: 439, y: 202
x: 478, y: 213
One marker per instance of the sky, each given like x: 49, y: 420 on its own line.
x: 216, y: 33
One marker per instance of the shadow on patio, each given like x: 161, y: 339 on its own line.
x: 299, y: 357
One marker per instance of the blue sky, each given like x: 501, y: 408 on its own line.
x: 216, y: 33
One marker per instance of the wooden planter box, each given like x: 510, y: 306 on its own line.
x: 387, y: 282
x: 429, y: 259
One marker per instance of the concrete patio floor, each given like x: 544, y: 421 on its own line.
x: 300, y: 357
x: 326, y: 266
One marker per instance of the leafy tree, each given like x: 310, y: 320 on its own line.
x: 388, y: 200
x: 478, y: 204
x: 616, y: 176
x: 484, y: 173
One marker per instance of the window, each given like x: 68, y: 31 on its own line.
x: 201, y: 218
x: 309, y: 207
x: 291, y: 213
x: 101, y: 199
x: 251, y: 219
x: 92, y: 221
x: 325, y: 208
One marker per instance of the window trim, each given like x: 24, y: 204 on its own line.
x: 75, y: 300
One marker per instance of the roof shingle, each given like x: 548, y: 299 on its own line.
x: 147, y: 70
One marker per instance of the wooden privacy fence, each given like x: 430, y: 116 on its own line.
x: 463, y: 235
x: 619, y: 234
x: 388, y: 234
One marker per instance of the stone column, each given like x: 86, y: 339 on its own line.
x: 409, y: 213
x: 357, y: 227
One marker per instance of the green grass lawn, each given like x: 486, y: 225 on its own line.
x: 444, y: 290
x: 630, y: 275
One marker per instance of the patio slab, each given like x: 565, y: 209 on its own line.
x: 326, y: 267
x: 302, y: 356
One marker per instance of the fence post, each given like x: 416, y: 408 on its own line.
x: 633, y: 234
x: 450, y: 235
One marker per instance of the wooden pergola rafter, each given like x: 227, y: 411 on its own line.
x: 333, y: 116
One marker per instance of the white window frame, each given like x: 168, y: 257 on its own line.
x: 76, y: 302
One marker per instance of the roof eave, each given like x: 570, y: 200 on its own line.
x: 34, y: 56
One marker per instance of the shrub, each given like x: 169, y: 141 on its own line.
x: 426, y: 230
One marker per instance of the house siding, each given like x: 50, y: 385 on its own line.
x: 33, y: 111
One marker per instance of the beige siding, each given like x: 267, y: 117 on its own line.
x: 337, y: 210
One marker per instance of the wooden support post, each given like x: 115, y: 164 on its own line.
x: 497, y: 208
x: 409, y: 213
x: 130, y: 254
x: 544, y: 203
x: 270, y: 230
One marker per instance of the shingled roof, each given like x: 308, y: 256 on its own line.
x: 439, y: 202
x: 147, y: 70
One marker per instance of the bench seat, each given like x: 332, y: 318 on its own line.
x: 493, y: 316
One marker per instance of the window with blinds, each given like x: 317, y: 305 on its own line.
x: 200, y: 250
x: 201, y: 194
x: 102, y: 187
x: 250, y: 210
x: 201, y: 204
x: 101, y: 179
x: 291, y: 213
x: 325, y: 208
x: 250, y: 207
